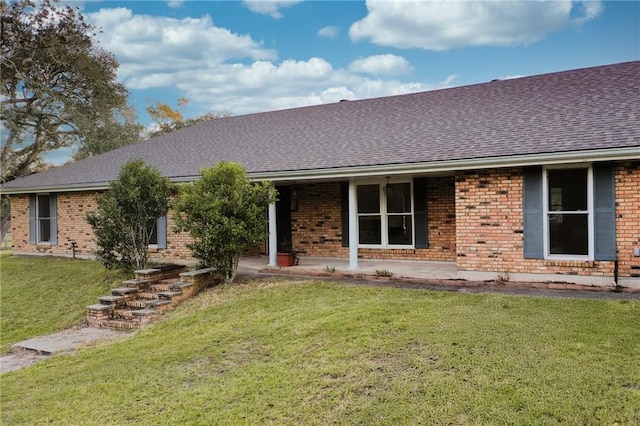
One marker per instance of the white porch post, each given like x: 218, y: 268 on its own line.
x: 273, y: 234
x: 353, y: 225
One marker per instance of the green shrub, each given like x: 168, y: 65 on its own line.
x: 225, y: 214
x: 127, y: 215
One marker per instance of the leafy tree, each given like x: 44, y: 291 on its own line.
x: 224, y: 211
x: 127, y: 214
x: 168, y: 119
x: 115, y: 131
x: 56, y: 84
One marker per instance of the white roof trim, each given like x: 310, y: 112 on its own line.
x: 608, y: 154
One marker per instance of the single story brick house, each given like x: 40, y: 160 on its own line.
x: 535, y: 177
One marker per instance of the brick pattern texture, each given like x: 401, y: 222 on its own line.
x: 72, y: 208
x: 627, y: 216
x: 489, y: 225
x: 316, y: 228
x: 20, y: 223
x: 475, y: 219
x: 317, y: 225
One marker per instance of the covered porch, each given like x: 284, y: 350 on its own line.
x: 342, y: 223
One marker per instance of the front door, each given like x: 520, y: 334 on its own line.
x: 283, y: 218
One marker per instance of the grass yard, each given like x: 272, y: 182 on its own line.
x: 287, y: 352
x: 42, y: 295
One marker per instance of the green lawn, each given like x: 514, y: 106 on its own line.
x: 296, y: 352
x: 42, y: 295
x: 5, y: 246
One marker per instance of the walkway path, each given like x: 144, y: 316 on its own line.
x: 29, y: 351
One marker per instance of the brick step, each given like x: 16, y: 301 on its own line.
x: 112, y: 300
x: 170, y: 295
x: 120, y: 295
x: 164, y: 285
x: 147, y: 303
x: 135, y: 312
x: 115, y: 324
x: 124, y: 291
x: 138, y: 301
x: 100, y: 307
x: 148, y: 295
x: 123, y: 313
x: 135, y: 283
x: 161, y: 287
x: 180, y: 286
x: 155, y: 275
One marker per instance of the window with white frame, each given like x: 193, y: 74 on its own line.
x: 385, y: 214
x: 43, y: 218
x: 568, y: 211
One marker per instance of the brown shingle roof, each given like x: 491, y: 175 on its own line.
x: 586, y: 109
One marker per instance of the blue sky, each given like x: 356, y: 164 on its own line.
x: 245, y: 57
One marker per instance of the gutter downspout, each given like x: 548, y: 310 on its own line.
x: 617, y: 288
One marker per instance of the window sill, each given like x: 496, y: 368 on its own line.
x: 372, y: 247
x: 386, y: 250
x: 572, y: 263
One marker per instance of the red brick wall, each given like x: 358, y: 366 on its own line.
x: 72, y: 208
x: 441, y: 210
x: 489, y: 225
x: 316, y: 228
x: 176, y: 244
x: 627, y: 216
x: 317, y: 225
x: 489, y: 220
x: 487, y: 232
x: 19, y: 222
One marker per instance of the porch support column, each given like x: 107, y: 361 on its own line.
x: 273, y: 234
x: 353, y: 225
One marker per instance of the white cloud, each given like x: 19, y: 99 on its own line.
x: 511, y: 77
x: 381, y: 65
x: 174, y: 4
x: 151, y: 50
x: 265, y: 86
x: 221, y: 71
x: 449, y: 24
x: 328, y: 31
x: 269, y: 7
x: 589, y: 10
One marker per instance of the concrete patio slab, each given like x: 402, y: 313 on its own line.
x: 67, y: 340
x: 399, y: 268
x: 423, y: 275
x: 37, y: 349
